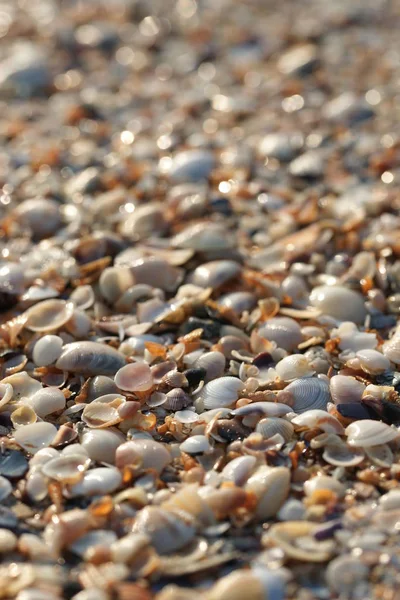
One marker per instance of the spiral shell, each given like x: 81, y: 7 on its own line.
x: 308, y: 393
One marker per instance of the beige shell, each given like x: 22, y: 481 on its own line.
x: 367, y: 433
x: 143, y: 454
x: 271, y: 487
x: 168, y: 530
x: 48, y: 315
x: 296, y: 540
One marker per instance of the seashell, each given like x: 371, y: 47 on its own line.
x: 169, y: 531
x: 339, y: 302
x: 23, y: 386
x: 156, y: 272
x: 196, y: 444
x: 308, y: 394
x: 294, y: 366
x: 372, y: 361
x: 239, y: 469
x: 127, y: 548
x: 271, y: 488
x: 296, y: 539
x: 67, y: 469
x: 280, y: 145
x: 135, y: 377
x: 204, y: 237
x: 8, y: 541
x: 47, y: 350
x: 191, y: 165
x: 13, y: 464
x: 43, y: 456
x: 292, y: 510
x: 323, y: 482
x: 177, y: 399
x: 391, y: 349
x: 238, y: 301
x: 366, y: 433
x: 48, y: 315
x: 100, y: 386
x: 98, y: 482
x: 23, y: 415
x: 271, y: 426
x: 344, y: 573
x: 352, y: 339
x: 186, y: 416
x: 101, y: 444
x: 90, y: 358
x: 79, y: 324
x: 345, y: 389
x: 340, y: 455
x: 390, y: 501
x: 144, y: 220
x: 284, y: 331
x: 114, y: 281
x: 175, y: 379
x: 36, y: 486
x: 5, y: 488
x: 266, y: 409
x: 47, y: 401
x: 40, y: 215
x: 219, y: 393
x: 259, y: 583
x: 319, y: 419
x: 6, y: 393
x: 143, y: 453
x: 215, y: 273
x: 98, y: 415
x: 213, y: 363
x: 309, y: 165
x: 381, y: 455
x: 99, y: 538
x: 35, y: 436
x: 83, y: 297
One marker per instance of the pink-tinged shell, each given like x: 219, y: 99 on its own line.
x: 366, y: 433
x: 135, y: 377
x: 319, y: 418
x: 345, y: 389
x: 143, y: 454
x: 48, y: 315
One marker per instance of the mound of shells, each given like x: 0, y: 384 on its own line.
x: 199, y: 300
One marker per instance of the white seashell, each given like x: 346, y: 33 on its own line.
x: 239, y: 469
x: 5, y: 488
x: 191, y: 165
x: 12, y: 278
x: 101, y: 444
x: 35, y: 436
x: 135, y: 377
x: 43, y: 456
x: 271, y: 487
x: 79, y: 324
x: 373, y: 362
x: 36, y: 485
x: 258, y: 583
x: 47, y: 350
x: 83, y: 297
x: 339, y: 302
x: 266, y: 409
x: 196, y: 444
x: 143, y: 453
x: 294, y: 366
x: 391, y: 349
x: 98, y: 482
x: 308, y: 393
x: 297, y: 541
x: 90, y: 358
x: 48, y: 315
x: 6, y: 393
x: 284, y: 331
x: 128, y: 547
x: 321, y: 419
x: 339, y: 454
x: 380, y: 455
x: 219, y: 393
x: 238, y: 301
x: 346, y: 389
x: 390, y: 500
x: 114, y: 281
x: 323, y: 482
x: 352, y: 339
x: 68, y: 469
x: 157, y: 273
x: 23, y: 386
x: 23, y: 415
x: 145, y: 219
x: 271, y: 426
x: 74, y: 449
x: 47, y: 401
x: 169, y: 531
x: 292, y: 510
x: 215, y: 273
x: 213, y: 363
x: 98, y: 415
x: 100, y: 537
x: 186, y: 416
x: 366, y: 433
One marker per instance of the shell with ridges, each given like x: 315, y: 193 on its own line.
x: 308, y: 393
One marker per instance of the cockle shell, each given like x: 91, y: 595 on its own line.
x: 271, y: 487
x: 143, y: 454
x: 284, y: 331
x: 294, y: 366
x: 308, y: 393
x: 48, y: 315
x: 35, y: 436
x: 169, y: 531
x: 345, y: 389
x: 366, y: 433
x: 219, y: 393
x: 320, y: 419
x: 271, y: 426
x: 90, y: 358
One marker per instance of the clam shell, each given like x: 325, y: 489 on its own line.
x: 238, y: 301
x: 296, y: 539
x: 239, y: 469
x: 367, y: 433
x: 339, y: 302
x: 101, y: 444
x: 213, y: 363
x: 203, y: 237
x: 380, y: 455
x: 169, y: 531
x: 340, y: 455
x: 267, y: 409
x: 345, y: 389
x: 391, y: 349
x: 35, y: 436
x: 48, y: 315
x: 135, y: 377
x: 215, y: 273
x: 90, y: 358
x: 373, y: 362
x: 157, y: 273
x: 294, y: 366
x: 98, y: 415
x: 23, y: 415
x: 98, y: 482
x: 219, y: 393
x: 177, y: 399
x: 114, y: 281
x: 320, y: 419
x: 47, y: 350
x: 323, y: 482
x: 284, y: 331
x: 23, y: 386
x: 352, y: 339
x: 196, y: 444
x: 271, y: 426
x: 143, y: 453
x: 191, y: 165
x: 271, y: 487
x: 67, y: 469
x: 47, y: 401
x: 83, y: 297
x: 309, y: 393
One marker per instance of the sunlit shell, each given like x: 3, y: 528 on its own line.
x: 271, y: 426
x: 294, y: 366
x: 366, y: 433
x: 239, y: 469
x: 266, y: 409
x: 216, y: 273
x: 238, y: 301
x: 297, y: 541
x: 48, y: 315
x: 319, y: 419
x: 47, y: 401
x: 23, y: 415
x: 68, y: 469
x: 35, y: 436
x: 323, y: 482
x: 100, y: 481
x: 191, y: 165
x: 271, y: 487
x: 135, y: 377
x: 285, y: 332
x: 213, y: 363
x: 352, y: 339
x: 373, y: 362
x: 196, y: 444
x: 47, y: 350
x: 390, y: 500
x: 100, y: 386
x: 101, y: 538
x: 83, y: 297
x: 144, y: 220
x: 114, y: 281
x: 101, y: 444
x: 6, y: 393
x: 168, y: 531
x: 219, y: 393
x: 79, y: 324
x: 23, y: 385
x: 341, y: 455
x: 259, y: 583
x: 98, y: 415
x: 308, y: 393
x: 143, y: 454
x: 41, y: 215
x: 90, y: 358
x: 391, y: 349
x: 339, y: 302
x: 346, y: 389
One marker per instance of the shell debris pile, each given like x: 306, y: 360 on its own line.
x: 199, y: 300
